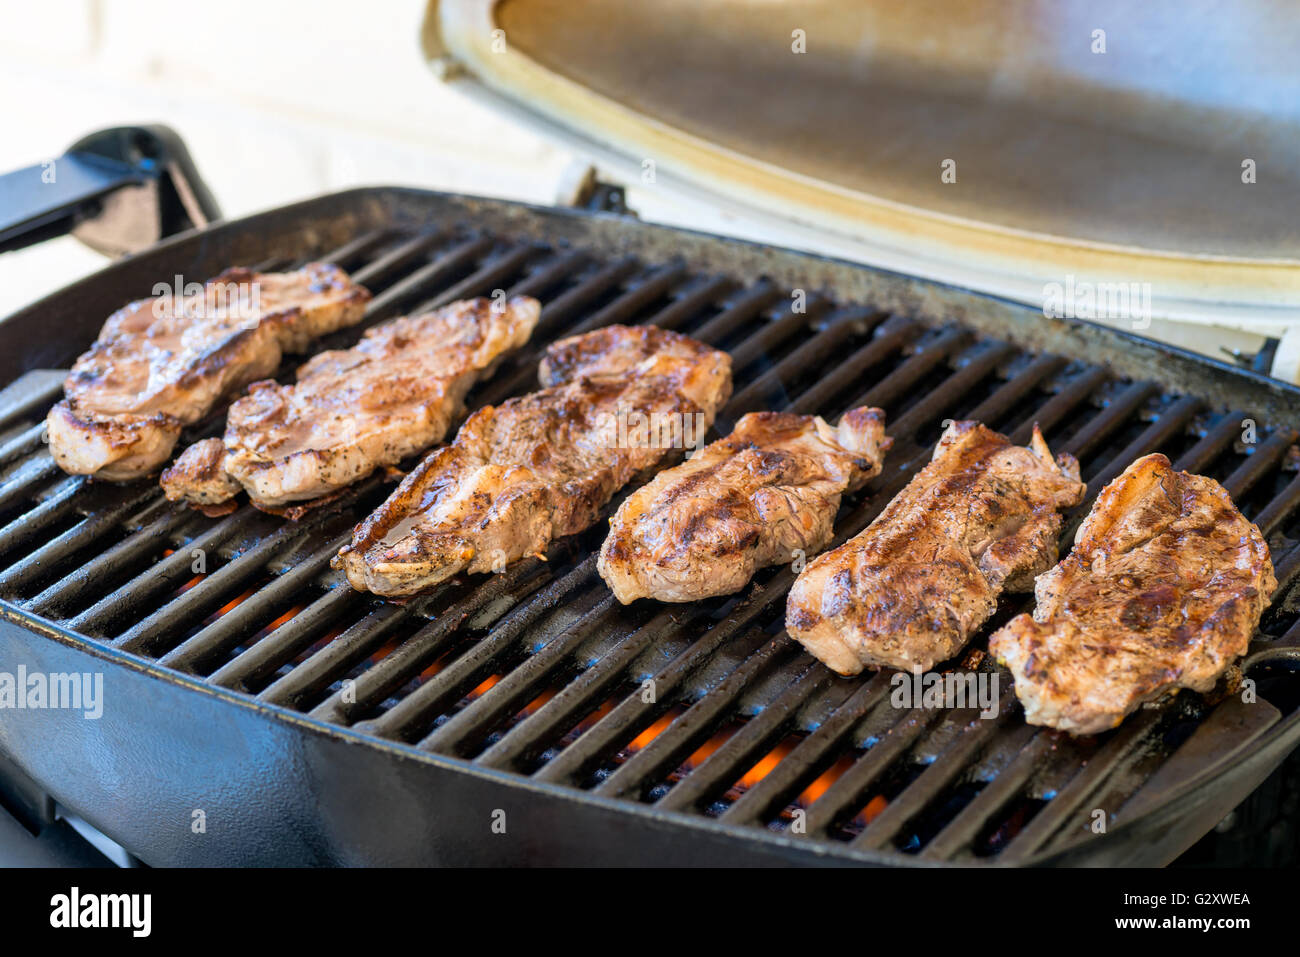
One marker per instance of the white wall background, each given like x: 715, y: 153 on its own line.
x: 277, y: 101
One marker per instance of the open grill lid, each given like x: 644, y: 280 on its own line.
x: 1106, y: 157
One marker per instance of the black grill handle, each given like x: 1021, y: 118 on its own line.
x: 118, y: 190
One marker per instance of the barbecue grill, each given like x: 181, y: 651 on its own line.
x: 526, y: 716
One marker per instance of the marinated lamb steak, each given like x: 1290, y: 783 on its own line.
x: 909, y: 591
x: 163, y: 363
x: 1163, y: 590
x: 543, y: 465
x: 768, y: 490
x: 352, y: 411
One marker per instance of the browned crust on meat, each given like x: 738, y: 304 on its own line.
x: 910, y: 590
x: 537, y: 467
x: 133, y: 445
x: 298, y: 510
x: 199, y: 476
x: 760, y: 496
x: 1163, y: 590
x: 610, y: 351
x: 151, y: 372
x: 352, y: 411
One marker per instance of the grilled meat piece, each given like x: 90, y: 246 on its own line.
x: 543, y: 465
x: 161, y: 364
x: 352, y: 411
x: 911, y: 589
x: 745, y: 502
x: 1163, y: 590
x: 199, y: 475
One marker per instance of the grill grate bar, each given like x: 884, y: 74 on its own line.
x: 103, y: 566
x: 34, y: 392
x: 740, y: 751
x: 1032, y: 746
x: 166, y: 573
x: 25, y: 478
x: 144, y: 636
x: 1285, y: 569
x: 610, y: 730
x: 445, y: 266
x: 1263, y: 460
x: 354, y: 643
x: 274, y: 264
x: 293, y: 636
x: 941, y: 399
x: 850, y: 789
x: 1170, y: 423
x: 771, y: 335
x: 581, y: 694
x: 1015, y: 389
x: 1278, y: 510
x: 448, y: 684
x: 582, y: 295
x: 1228, y: 727
x: 484, y: 279
x: 554, y: 314
x: 675, y: 743
x: 953, y: 761
x: 100, y: 522
x: 745, y: 309
x: 61, y: 500
x: 1071, y: 395
x: 810, y: 757
x: 24, y: 443
x: 225, y: 632
x: 347, y: 255
x: 514, y: 690
x: 885, y: 343
x: 378, y: 270
x: 1127, y: 741
x: 653, y: 287
x: 927, y: 356
x: 840, y: 327
x: 1217, y: 438
x: 1112, y: 416
x: 549, y: 274
x: 417, y: 651
x: 701, y: 296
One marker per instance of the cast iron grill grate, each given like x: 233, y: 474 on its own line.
x: 704, y: 709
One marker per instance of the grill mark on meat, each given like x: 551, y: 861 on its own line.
x: 742, y: 503
x: 1163, y: 590
x: 910, y: 590
x: 159, y: 365
x: 352, y: 411
x: 538, y: 467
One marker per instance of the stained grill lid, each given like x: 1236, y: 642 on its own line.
x: 1111, y: 156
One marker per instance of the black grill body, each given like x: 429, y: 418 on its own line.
x: 502, y: 719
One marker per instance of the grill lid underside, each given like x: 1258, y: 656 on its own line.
x: 826, y: 119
